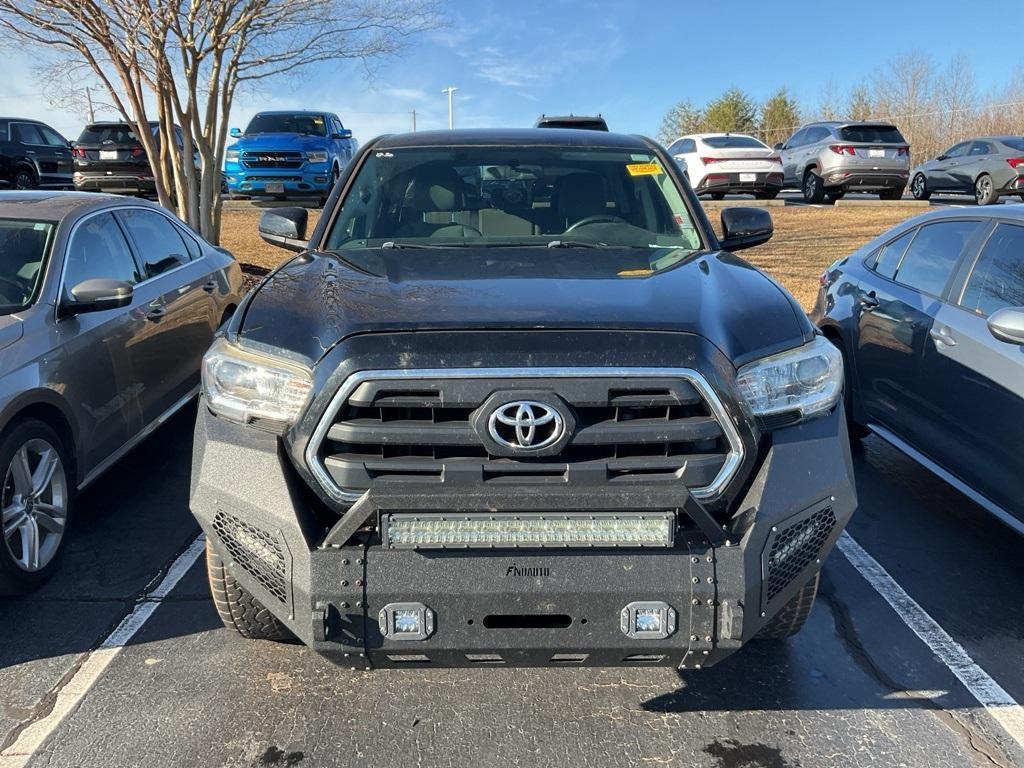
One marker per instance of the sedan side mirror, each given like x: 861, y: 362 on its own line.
x: 285, y: 228
x: 942, y: 157
x: 778, y: 145
x: 235, y: 133
x: 745, y: 228
x: 1007, y: 325
x: 97, y: 294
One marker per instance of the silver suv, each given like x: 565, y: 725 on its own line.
x: 833, y: 158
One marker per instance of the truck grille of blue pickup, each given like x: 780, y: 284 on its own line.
x: 272, y: 159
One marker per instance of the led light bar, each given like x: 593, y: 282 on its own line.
x: 525, y: 531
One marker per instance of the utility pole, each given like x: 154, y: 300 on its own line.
x: 88, y: 98
x: 450, y: 90
x: 414, y: 121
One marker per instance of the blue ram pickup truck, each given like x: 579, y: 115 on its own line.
x: 288, y: 154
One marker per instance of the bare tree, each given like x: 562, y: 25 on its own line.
x: 183, y: 61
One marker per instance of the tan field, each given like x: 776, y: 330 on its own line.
x: 806, y: 241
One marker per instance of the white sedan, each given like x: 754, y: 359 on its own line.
x: 721, y: 163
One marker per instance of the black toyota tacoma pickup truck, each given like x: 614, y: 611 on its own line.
x: 514, y: 402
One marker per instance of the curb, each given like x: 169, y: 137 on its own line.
x: 882, y: 203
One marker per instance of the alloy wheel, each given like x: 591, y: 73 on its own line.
x: 34, y: 501
x: 24, y: 180
x: 983, y: 189
x: 918, y: 186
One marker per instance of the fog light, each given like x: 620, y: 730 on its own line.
x: 406, y: 621
x: 648, y: 620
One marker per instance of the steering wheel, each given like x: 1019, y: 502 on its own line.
x: 601, y: 218
x: 17, y: 286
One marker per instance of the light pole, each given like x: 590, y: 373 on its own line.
x: 450, y: 90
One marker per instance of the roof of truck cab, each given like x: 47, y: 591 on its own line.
x: 514, y: 137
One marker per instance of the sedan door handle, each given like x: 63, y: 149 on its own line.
x: 942, y: 336
x: 210, y: 287
x: 868, y: 301
x: 156, y: 313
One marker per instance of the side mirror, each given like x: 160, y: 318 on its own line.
x: 345, y: 134
x: 942, y: 157
x: 778, y: 145
x: 235, y: 133
x: 1007, y: 325
x: 97, y: 294
x: 285, y: 228
x: 745, y: 228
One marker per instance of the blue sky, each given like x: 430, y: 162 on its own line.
x: 630, y: 61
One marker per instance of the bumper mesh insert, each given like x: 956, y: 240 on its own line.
x: 255, y: 551
x: 795, y: 547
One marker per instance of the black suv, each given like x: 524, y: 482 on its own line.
x: 110, y: 157
x: 33, y: 155
x: 515, y: 403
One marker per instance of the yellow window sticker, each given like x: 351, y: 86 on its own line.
x: 643, y: 169
x: 636, y: 272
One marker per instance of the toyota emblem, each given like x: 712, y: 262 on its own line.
x: 526, y: 425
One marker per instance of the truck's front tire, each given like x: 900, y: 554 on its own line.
x: 238, y: 609
x: 792, y: 617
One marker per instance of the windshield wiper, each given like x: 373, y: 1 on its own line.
x: 392, y: 244
x: 575, y: 244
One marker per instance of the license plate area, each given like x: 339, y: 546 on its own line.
x: 108, y: 154
x: 275, y: 187
x: 748, y: 177
x: 876, y: 153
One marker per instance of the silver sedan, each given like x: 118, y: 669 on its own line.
x: 988, y: 167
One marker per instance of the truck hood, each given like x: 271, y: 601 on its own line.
x: 11, y: 329
x: 295, y: 141
x: 316, y: 300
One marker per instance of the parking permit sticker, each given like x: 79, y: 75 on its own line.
x: 636, y: 272
x: 643, y: 169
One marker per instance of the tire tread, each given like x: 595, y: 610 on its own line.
x: 793, y: 615
x: 237, y: 608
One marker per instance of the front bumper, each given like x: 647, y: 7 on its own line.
x: 731, y: 182
x: 297, y: 182
x: 522, y: 607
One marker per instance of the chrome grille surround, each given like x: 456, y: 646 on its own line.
x: 732, y: 462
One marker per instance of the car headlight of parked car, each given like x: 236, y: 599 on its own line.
x: 231, y: 156
x: 317, y: 156
x: 243, y: 385
x: 807, y: 380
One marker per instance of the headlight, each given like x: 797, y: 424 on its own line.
x: 231, y: 156
x: 808, y: 380
x: 243, y: 385
x: 316, y: 157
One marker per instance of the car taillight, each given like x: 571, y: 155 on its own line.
x: 1016, y: 162
x: 77, y: 152
x: 138, y: 151
x: 901, y: 151
x: 842, y: 149
x: 775, y: 159
x: 823, y: 279
x: 710, y: 160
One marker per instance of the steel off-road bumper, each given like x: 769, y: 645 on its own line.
x: 550, y: 607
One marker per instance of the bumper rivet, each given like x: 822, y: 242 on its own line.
x: 344, y: 605
x: 711, y: 601
x: 359, y: 604
x: 707, y: 639
x: 711, y: 559
x: 696, y: 580
x: 728, y: 542
x: 696, y: 601
x: 694, y: 638
x: 695, y: 560
x: 774, y: 528
x: 707, y: 653
x: 359, y: 561
x: 344, y: 561
x: 359, y: 582
x: 344, y: 583
x: 763, y: 614
x: 711, y: 579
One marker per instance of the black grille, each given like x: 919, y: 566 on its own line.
x: 273, y: 159
x: 793, y: 548
x: 255, y: 551
x: 623, y: 430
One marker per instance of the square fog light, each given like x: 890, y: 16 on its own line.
x: 648, y: 620
x: 406, y: 621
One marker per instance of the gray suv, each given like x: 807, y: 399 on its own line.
x: 106, y: 308
x: 833, y: 158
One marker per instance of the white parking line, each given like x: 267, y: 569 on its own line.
x: 92, y: 666
x: 1000, y: 704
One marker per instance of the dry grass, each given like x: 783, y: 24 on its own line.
x: 806, y: 241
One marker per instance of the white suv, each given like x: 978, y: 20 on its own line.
x: 718, y: 163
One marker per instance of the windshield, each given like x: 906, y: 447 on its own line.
x: 311, y: 125
x: 733, y: 142
x: 500, y: 196
x: 24, y: 246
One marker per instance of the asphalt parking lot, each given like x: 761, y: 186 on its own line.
x: 860, y: 685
